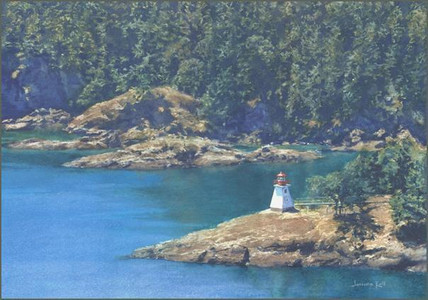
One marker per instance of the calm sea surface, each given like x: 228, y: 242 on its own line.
x: 66, y: 232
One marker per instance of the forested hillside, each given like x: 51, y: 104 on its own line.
x: 310, y: 71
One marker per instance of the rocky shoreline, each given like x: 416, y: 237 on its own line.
x: 186, y: 152
x: 101, y: 139
x: 151, y: 130
x: 39, y: 119
x: 313, y: 238
x: 159, y: 128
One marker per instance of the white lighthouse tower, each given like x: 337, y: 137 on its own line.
x: 281, y: 198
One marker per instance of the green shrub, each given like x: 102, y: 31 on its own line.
x: 398, y: 169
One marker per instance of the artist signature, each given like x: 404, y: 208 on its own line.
x: 371, y: 284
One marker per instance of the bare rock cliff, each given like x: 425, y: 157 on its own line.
x: 30, y: 83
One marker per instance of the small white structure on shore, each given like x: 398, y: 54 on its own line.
x: 281, y: 198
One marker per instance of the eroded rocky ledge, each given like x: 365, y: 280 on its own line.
x: 99, y: 139
x: 313, y: 238
x: 184, y: 152
x: 39, y: 119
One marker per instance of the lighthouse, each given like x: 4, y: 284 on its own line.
x: 281, y: 198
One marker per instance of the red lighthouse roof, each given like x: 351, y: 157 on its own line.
x: 280, y: 179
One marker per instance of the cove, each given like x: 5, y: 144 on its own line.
x: 67, y: 232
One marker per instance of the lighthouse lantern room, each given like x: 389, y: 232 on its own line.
x: 281, y: 198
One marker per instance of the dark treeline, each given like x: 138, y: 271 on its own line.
x: 320, y: 69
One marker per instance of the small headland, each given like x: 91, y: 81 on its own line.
x: 304, y: 238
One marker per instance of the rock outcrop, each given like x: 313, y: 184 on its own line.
x: 164, y: 152
x: 141, y: 116
x: 41, y: 144
x: 274, y: 154
x: 372, y: 145
x: 256, y: 116
x: 128, y: 119
x: 313, y: 238
x: 356, y: 143
x: 29, y: 83
x: 183, y: 152
x: 100, y: 139
x: 42, y: 118
x: 156, y: 129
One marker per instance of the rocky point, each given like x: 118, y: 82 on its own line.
x: 310, y: 238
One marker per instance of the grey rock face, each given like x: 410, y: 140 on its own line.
x: 256, y: 116
x: 30, y: 83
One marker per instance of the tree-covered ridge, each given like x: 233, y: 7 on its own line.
x: 320, y: 69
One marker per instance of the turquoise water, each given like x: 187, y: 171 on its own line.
x: 40, y: 134
x: 66, y: 232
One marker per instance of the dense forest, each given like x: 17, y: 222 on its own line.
x: 318, y: 70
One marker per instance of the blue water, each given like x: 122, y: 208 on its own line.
x: 66, y: 232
